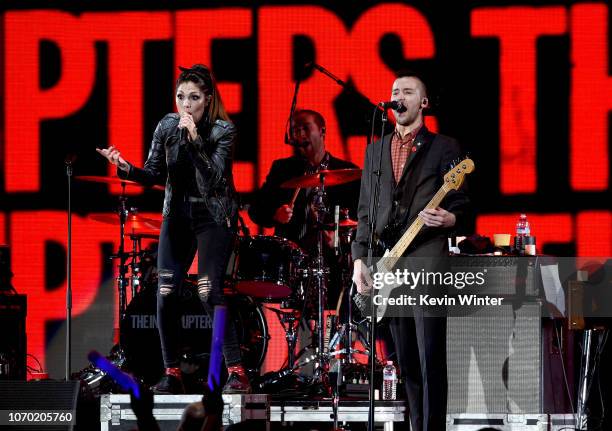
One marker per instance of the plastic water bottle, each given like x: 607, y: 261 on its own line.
x: 389, y: 381
x: 522, y: 230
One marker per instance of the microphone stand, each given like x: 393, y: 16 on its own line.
x: 289, y: 140
x: 350, y: 89
x: 69, y: 274
x: 340, y: 82
x: 373, y: 206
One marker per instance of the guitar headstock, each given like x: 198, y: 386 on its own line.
x: 456, y: 175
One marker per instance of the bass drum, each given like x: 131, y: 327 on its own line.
x: 140, y: 336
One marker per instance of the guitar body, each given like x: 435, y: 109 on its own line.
x: 453, y: 180
x: 364, y: 302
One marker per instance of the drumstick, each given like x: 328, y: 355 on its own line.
x: 295, y: 195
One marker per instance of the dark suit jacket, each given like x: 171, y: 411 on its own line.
x: 271, y: 196
x: 422, y: 177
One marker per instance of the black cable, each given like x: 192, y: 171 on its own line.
x: 601, y: 397
x: 558, y: 337
x: 567, y: 389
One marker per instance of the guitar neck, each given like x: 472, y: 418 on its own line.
x: 404, y: 242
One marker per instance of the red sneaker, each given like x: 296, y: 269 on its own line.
x: 237, y: 382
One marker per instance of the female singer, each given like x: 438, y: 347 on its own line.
x: 192, y: 153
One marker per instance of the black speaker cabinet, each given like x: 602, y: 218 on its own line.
x: 494, y: 361
x: 494, y: 355
x: 5, y: 267
x: 506, y: 275
x: 47, y: 397
x: 13, y: 340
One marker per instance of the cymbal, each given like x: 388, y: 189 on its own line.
x: 332, y: 177
x: 148, y: 235
x: 347, y: 223
x: 342, y: 224
x: 133, y: 223
x: 114, y: 180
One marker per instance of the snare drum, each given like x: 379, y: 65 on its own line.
x: 268, y: 267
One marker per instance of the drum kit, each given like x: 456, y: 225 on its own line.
x: 263, y: 271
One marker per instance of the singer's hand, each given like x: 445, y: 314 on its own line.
x: 362, y: 277
x: 186, y: 122
x: 437, y: 217
x: 283, y: 214
x: 113, y: 155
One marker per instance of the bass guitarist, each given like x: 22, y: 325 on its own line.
x: 414, y: 161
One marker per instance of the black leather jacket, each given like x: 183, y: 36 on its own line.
x: 212, y: 159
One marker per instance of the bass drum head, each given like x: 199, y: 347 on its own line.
x: 141, y: 344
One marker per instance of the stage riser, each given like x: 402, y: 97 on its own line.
x: 263, y: 413
x: 500, y: 422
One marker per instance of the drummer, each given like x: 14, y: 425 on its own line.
x: 273, y: 206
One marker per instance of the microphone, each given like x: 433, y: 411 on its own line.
x: 293, y: 142
x: 69, y: 161
x: 70, y: 158
x: 290, y: 141
x: 183, y: 134
x: 396, y: 105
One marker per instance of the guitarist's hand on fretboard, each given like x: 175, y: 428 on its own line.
x: 437, y: 217
x: 362, y: 277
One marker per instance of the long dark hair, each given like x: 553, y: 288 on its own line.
x: 204, y: 79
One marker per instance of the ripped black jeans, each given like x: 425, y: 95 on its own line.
x: 179, y: 238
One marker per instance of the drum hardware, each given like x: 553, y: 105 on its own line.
x: 122, y: 279
x: 271, y: 269
x: 136, y: 227
x: 343, y: 334
x: 95, y: 381
x: 136, y: 223
x: 276, y: 377
x: 268, y: 267
x: 347, y: 333
x: 137, y: 256
x: 290, y: 321
x: 140, y: 336
x: 318, y: 272
x: 319, y: 275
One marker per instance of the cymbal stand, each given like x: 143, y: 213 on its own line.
x: 135, y: 265
x: 345, y: 334
x: 122, y: 279
x: 320, y: 273
x: 345, y: 331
